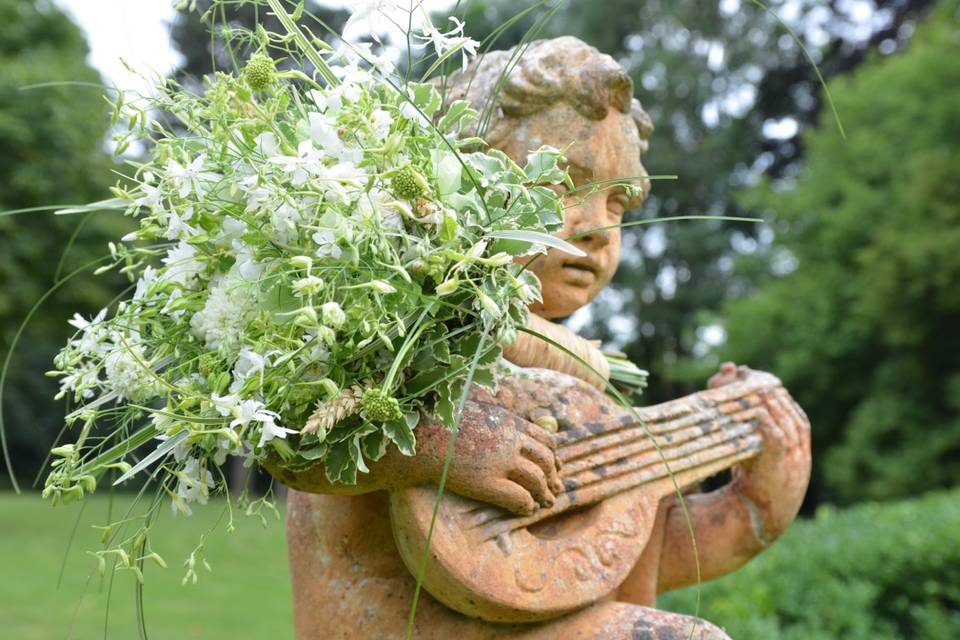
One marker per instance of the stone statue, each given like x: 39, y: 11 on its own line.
x: 559, y: 520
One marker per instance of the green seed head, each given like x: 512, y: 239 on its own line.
x: 380, y: 407
x: 209, y: 363
x: 405, y: 184
x: 260, y: 72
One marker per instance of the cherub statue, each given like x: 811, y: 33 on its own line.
x: 348, y: 578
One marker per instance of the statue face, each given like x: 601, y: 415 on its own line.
x: 596, y: 150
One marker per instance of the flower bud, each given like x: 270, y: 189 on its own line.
x: 333, y: 315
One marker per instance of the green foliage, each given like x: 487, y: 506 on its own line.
x: 864, y: 331
x: 710, y: 74
x: 873, y: 572
x: 51, y: 152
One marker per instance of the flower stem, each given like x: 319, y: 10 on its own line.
x: 298, y: 36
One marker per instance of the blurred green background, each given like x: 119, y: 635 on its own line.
x: 847, y: 290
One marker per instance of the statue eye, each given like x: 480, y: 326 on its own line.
x: 617, y: 204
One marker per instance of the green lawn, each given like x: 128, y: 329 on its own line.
x: 246, y: 596
x: 872, y: 572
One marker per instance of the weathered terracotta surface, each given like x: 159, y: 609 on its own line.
x: 349, y: 580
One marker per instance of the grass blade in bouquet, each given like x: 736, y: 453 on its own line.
x: 318, y: 263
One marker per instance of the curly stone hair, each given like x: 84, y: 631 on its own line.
x: 546, y: 72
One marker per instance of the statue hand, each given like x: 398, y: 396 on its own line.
x: 776, y: 480
x: 504, y: 459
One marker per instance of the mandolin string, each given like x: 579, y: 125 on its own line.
x: 740, y: 440
x: 614, y: 463
x: 722, y: 458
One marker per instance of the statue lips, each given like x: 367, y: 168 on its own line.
x: 581, y: 271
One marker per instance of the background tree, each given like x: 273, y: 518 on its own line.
x: 51, y: 152
x: 864, y: 330
x: 729, y: 90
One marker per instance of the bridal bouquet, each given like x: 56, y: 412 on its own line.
x: 321, y: 259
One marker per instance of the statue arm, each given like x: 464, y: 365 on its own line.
x: 737, y: 521
x: 499, y: 458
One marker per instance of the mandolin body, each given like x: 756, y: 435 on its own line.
x: 489, y: 564
x: 529, y: 574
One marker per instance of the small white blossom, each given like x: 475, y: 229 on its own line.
x: 191, y: 177
x: 182, y: 264
x: 307, y: 161
x: 326, y: 242
x: 249, y: 363
x: 451, y: 41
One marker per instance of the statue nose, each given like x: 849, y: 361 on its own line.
x: 591, y: 229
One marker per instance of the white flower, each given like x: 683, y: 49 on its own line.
x: 150, y: 198
x: 258, y: 197
x: 249, y: 363
x: 381, y: 121
x: 266, y: 144
x: 246, y: 265
x: 316, y: 351
x: 182, y: 264
x: 177, y: 226
x: 285, y: 220
x: 307, y: 286
x: 357, y: 51
x: 374, y: 14
x: 326, y: 243
x: 232, y: 230
x: 299, y: 167
x: 342, y: 182
x: 168, y: 307
x: 127, y: 375
x: 190, y: 177
x: 333, y: 315
x: 94, y: 333
x: 379, y: 203
x: 409, y: 111
x: 194, y: 485
x: 83, y: 380
x: 323, y: 131
x: 451, y: 41
x: 246, y: 411
x: 269, y: 429
x: 221, y: 322
x: 143, y: 284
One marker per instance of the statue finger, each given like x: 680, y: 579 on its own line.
x: 801, y: 421
x: 511, y: 496
x: 529, y: 476
x: 538, y: 433
x: 772, y: 433
x: 783, y: 418
x: 546, y: 460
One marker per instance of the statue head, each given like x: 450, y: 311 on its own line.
x: 566, y: 94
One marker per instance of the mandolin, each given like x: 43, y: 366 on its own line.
x: 488, y: 563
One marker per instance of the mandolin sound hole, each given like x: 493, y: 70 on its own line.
x: 565, y: 524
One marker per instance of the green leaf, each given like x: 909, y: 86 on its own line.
x: 535, y: 237
x: 375, y: 445
x: 165, y: 448
x: 400, y: 432
x: 339, y: 465
x: 425, y: 96
x: 458, y: 115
